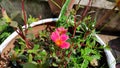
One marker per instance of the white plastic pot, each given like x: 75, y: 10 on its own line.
x: 110, y: 58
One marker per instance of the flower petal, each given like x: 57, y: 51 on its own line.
x: 55, y: 35
x: 61, y: 30
x: 64, y: 37
x: 65, y: 45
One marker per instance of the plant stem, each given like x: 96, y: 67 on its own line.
x: 28, y: 45
x: 79, y: 2
x: 56, y: 4
x: 74, y: 27
x: 25, y: 17
x: 24, y: 38
x: 85, y: 12
x: 21, y: 35
x: 87, y: 7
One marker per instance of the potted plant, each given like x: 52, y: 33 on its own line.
x: 55, y: 43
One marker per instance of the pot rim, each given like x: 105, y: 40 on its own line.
x: 110, y: 58
x: 14, y: 34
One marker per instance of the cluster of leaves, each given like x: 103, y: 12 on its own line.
x: 85, y: 48
x: 31, y: 19
x: 30, y: 56
x: 45, y: 54
x: 5, y: 30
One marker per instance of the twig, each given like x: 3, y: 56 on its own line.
x: 25, y: 17
x: 56, y: 4
x: 85, y: 12
x: 74, y: 27
x: 28, y: 45
x: 79, y: 2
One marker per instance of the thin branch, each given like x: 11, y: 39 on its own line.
x: 56, y: 4
x: 74, y: 27
x: 79, y: 2
x: 25, y: 17
x: 85, y: 12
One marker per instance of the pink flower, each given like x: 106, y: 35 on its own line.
x: 60, y: 39
x: 61, y: 30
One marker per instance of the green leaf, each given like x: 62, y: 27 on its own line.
x: 30, y: 58
x: 32, y: 19
x: 97, y: 56
x: 16, y: 48
x: 21, y: 52
x: 93, y: 43
x: 31, y: 51
x: 3, y: 26
x: 43, y: 53
x: 73, y: 51
x: 46, y: 64
x: 3, y: 36
x: 30, y: 65
x: 87, y: 51
x: 82, y: 52
x: 55, y: 65
x: 36, y: 47
x: 38, y: 57
x: 85, y: 64
x: 89, y: 58
x: 64, y: 9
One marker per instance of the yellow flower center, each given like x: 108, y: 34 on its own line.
x: 58, y: 42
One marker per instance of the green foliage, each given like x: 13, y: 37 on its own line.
x: 32, y: 19
x: 30, y: 65
x: 3, y: 36
x: 84, y: 54
x: 43, y: 52
x: 64, y: 8
x: 5, y: 30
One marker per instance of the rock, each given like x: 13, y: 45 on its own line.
x: 94, y: 63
